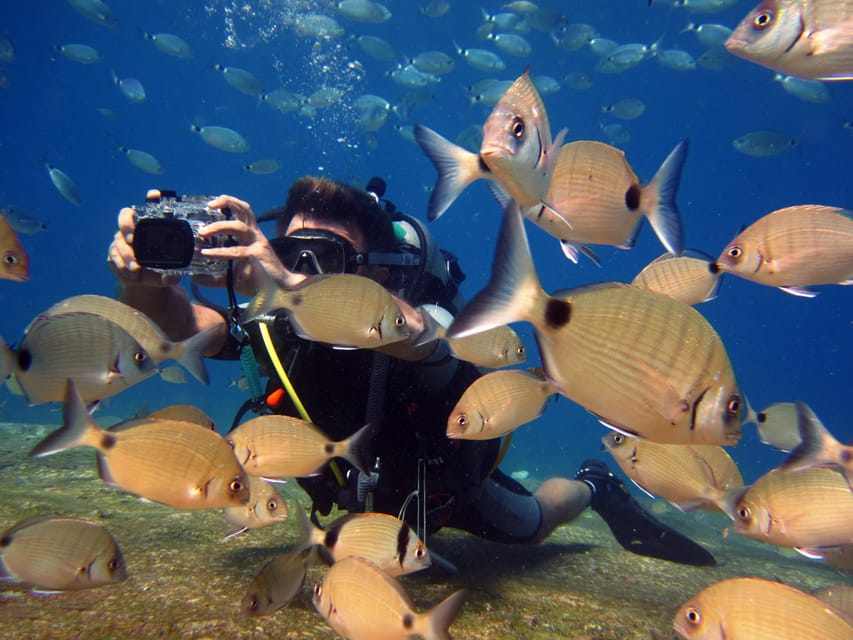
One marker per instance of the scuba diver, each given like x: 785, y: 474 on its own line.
x: 417, y: 473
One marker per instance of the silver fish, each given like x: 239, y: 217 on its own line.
x: 142, y: 160
x: 762, y: 144
x: 64, y: 184
x: 222, y: 138
x: 82, y: 53
x: 170, y: 44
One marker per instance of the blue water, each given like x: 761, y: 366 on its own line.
x: 783, y: 348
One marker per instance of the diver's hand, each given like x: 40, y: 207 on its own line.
x: 252, y: 251
x: 123, y: 262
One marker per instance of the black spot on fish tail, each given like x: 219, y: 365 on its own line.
x: 5, y: 541
x: 108, y: 441
x: 329, y: 448
x: 761, y: 417
x: 482, y: 165
x: 713, y: 267
x: 331, y: 539
x: 25, y: 359
x: 695, y: 408
x: 408, y: 621
x: 402, y: 542
x: 632, y: 197
x: 845, y: 457
x: 557, y: 313
x: 297, y: 300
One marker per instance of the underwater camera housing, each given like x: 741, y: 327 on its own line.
x: 166, y: 235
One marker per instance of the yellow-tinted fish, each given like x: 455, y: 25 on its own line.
x: 497, y: 403
x: 188, y: 352
x: 279, y: 446
x: 690, y: 476
x: 804, y: 38
x: 686, y: 278
x: 616, y: 350
x: 342, y: 309
x: 818, y: 447
x: 180, y: 464
x: 184, y: 413
x: 15, y: 262
x: 265, y: 507
x: 379, y: 537
x: 55, y: 553
x: 277, y: 583
x: 757, y: 609
x: 595, y: 189
x: 517, y: 152
x: 840, y: 598
x: 362, y: 602
x: 794, y: 248
x: 810, y: 508
x: 100, y: 356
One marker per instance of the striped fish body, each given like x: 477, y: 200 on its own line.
x: 686, y: 278
x: 644, y: 363
x: 756, y: 609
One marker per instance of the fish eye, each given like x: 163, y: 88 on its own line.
x: 420, y: 552
x: 693, y: 616
x: 399, y: 320
x: 318, y: 590
x: 618, y: 438
x: 733, y: 405
x: 763, y: 19
x: 113, y: 564
x: 517, y: 127
x: 272, y: 505
x: 520, y: 350
x: 462, y: 420
x: 735, y: 252
x: 10, y: 259
x: 235, y: 486
x: 139, y: 356
x: 744, y: 513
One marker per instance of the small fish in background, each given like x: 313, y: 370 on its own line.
x: 709, y: 34
x: 361, y: 602
x: 316, y: 25
x: 498, y: 403
x: 381, y: 538
x: 805, y: 509
x: 376, y: 47
x: 131, y: 88
x: 371, y: 112
x: 807, y: 90
x: 757, y: 609
x: 777, y: 426
x: 764, y: 144
x: 372, y: 317
x: 572, y: 37
x: 435, y: 62
x: 263, y: 167
x: 265, y: 507
x: 481, y: 59
x: 170, y: 44
x: 180, y: 464
x: 56, y: 553
x: 716, y: 59
x: 578, y: 80
x: 80, y: 53
x: 7, y: 50
x: 279, y: 446
x: 284, y: 100
x: 809, y: 39
x: 597, y: 193
x: 612, y: 347
x: 14, y: 261
x: 66, y: 187
x: 705, y: 6
x: 435, y: 8
x: 96, y: 11
x: 794, y: 249
x: 615, y: 132
x: 839, y: 597
x: 818, y: 447
x: 189, y: 352
x: 222, y: 138
x: 625, y: 109
x: 364, y: 11
x: 511, y: 44
x: 174, y: 375
x: 98, y: 354
x: 688, y: 476
x: 142, y: 160
x: 687, y: 278
x: 277, y: 583
x: 243, y: 81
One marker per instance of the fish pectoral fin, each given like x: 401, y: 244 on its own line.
x: 832, y: 41
x: 801, y: 292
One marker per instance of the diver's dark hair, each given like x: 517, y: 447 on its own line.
x: 323, y: 200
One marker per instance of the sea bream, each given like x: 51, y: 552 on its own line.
x: 180, y: 464
x: 15, y: 262
x: 517, y: 152
x: 645, y: 364
x: 810, y: 39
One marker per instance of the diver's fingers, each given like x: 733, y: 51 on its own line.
x: 127, y: 223
x: 246, y: 234
x: 121, y: 255
x: 239, y: 252
x: 241, y: 209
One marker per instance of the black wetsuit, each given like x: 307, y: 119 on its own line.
x: 463, y: 491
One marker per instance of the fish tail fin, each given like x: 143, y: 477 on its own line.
x: 457, y: 168
x: 309, y: 533
x: 513, y: 293
x: 437, y: 620
x: 6, y: 359
x: 192, y: 352
x: 658, y: 200
x: 78, y: 428
x: 354, y: 446
x: 818, y: 446
x: 265, y: 300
